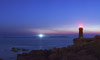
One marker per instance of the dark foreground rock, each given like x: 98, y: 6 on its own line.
x: 1, y: 59
x: 90, y: 51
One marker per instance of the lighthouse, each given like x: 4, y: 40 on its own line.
x: 80, y: 32
x: 81, y: 40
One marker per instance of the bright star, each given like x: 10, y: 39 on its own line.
x: 41, y: 35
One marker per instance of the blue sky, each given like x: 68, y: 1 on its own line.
x: 49, y: 16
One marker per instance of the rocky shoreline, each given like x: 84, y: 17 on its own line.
x: 89, y: 51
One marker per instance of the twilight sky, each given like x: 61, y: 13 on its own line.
x: 49, y: 16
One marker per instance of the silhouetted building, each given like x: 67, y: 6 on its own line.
x: 80, y: 32
x: 80, y: 40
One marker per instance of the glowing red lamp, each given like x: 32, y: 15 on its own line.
x: 80, y: 26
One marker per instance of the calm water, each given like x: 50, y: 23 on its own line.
x: 32, y: 44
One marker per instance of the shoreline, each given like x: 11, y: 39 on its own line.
x: 87, y: 51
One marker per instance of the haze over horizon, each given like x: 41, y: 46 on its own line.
x: 49, y: 16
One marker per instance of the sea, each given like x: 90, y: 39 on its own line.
x: 34, y: 43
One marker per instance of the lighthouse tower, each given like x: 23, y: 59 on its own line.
x: 80, y: 32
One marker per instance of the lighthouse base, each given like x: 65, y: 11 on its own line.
x: 83, y: 41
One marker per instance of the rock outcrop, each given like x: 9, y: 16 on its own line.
x: 87, y: 51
